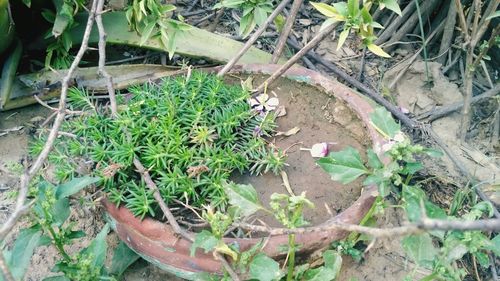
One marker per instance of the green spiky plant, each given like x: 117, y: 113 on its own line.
x: 190, y: 133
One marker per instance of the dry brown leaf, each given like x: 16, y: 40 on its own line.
x: 290, y: 132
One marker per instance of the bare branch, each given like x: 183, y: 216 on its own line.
x: 102, y: 58
x: 286, y: 30
x: 425, y: 224
x: 28, y: 174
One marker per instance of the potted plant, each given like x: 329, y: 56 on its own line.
x: 193, y: 132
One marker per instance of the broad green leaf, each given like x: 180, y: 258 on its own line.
x: 353, y: 7
x: 420, y: 249
x: 75, y: 185
x: 243, y: 196
x: 146, y: 32
x: 123, y: 257
x: 61, y: 211
x: 325, y: 9
x: 392, y: 5
x: 411, y: 168
x: 172, y: 45
x: 433, y: 152
x: 97, y: 248
x: 333, y: 260
x: 327, y: 23
x: 494, y: 15
x: 378, y: 51
x: 373, y: 160
x: 27, y: 3
x: 384, y: 188
x: 482, y: 258
x: 20, y: 256
x: 205, y: 240
x: 263, y: 268
x: 495, y: 248
x: 344, y: 166
x: 259, y: 15
x: 342, y: 37
x: 384, y: 123
x: 342, y: 10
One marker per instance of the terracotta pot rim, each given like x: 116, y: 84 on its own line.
x: 156, y: 242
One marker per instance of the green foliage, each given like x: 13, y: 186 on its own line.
x: 58, y: 56
x: 123, y: 257
x: 50, y: 215
x: 189, y: 134
x: 395, y: 175
x: 356, y: 19
x: 254, y: 13
x: 152, y: 19
x: 244, y: 196
x: 263, y: 268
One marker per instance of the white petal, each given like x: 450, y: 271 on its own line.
x: 274, y: 102
x: 262, y: 98
x: 319, y: 150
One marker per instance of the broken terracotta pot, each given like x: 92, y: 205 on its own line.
x: 156, y: 242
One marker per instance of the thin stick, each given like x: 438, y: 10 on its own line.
x: 253, y: 38
x: 445, y: 110
x: 449, y: 27
x: 20, y: 207
x: 311, y: 44
x: 102, y: 58
x: 286, y: 30
x: 425, y: 224
x: 5, y: 269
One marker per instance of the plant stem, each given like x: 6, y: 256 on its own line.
x: 291, y: 256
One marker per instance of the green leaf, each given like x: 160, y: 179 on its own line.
x: 411, y: 168
x: 333, y: 260
x: 146, y: 32
x: 97, y: 248
x: 279, y: 21
x: 384, y: 123
x: 243, y: 196
x: 384, y: 188
x: 482, y: 258
x: 259, y: 15
x: 494, y: 15
x: 495, y: 248
x: 373, y: 160
x: 61, y: 211
x: 205, y: 240
x: 433, y: 152
x: 325, y: 9
x: 328, y: 272
x: 263, y: 268
x: 344, y: 166
x: 27, y: 3
x: 327, y: 23
x: 19, y: 257
x: 353, y: 7
x: 420, y: 249
x: 342, y: 37
x: 75, y: 185
x: 392, y: 5
x: 171, y: 45
x: 123, y: 257
x: 378, y: 51
x: 75, y: 234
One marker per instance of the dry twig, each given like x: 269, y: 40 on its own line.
x: 21, y: 207
x: 286, y: 30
